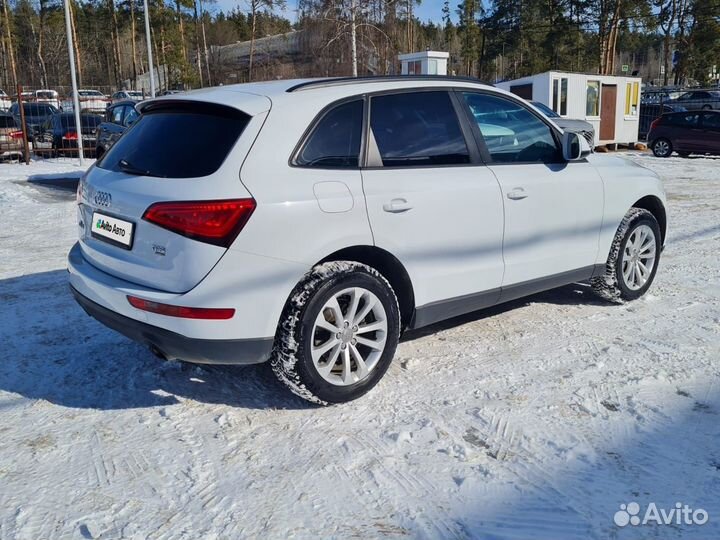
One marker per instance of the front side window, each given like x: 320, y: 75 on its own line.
x: 417, y: 128
x: 335, y: 141
x: 711, y: 121
x: 130, y: 116
x: 117, y: 114
x: 592, y: 105
x: 511, y: 132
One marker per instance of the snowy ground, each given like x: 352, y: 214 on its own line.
x: 536, y: 419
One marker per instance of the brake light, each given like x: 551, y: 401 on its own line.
x: 654, y: 123
x: 70, y: 136
x: 16, y: 135
x: 214, y: 222
x: 215, y: 314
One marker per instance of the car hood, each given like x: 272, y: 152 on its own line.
x: 571, y: 124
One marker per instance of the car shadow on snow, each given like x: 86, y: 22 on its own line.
x: 53, y: 351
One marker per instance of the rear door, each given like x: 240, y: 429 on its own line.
x: 686, y: 134
x: 432, y: 203
x: 553, y: 209
x: 710, y: 123
x: 176, y: 151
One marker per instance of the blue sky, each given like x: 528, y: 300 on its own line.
x: 427, y: 10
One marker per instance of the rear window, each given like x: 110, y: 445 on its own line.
x: 86, y: 120
x: 7, y: 122
x: 177, y: 140
x: 38, y: 109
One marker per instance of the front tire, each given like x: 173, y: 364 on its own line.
x: 338, y: 333
x: 662, y: 148
x: 633, y: 259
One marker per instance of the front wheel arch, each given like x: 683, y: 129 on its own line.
x: 655, y: 206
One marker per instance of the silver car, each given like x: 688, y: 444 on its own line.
x: 582, y: 127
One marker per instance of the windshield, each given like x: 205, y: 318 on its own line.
x: 547, y: 111
x: 90, y: 93
x: 177, y: 140
x: 38, y: 109
x: 135, y: 94
x: 45, y: 95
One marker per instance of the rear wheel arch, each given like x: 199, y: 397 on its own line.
x: 391, y: 269
x: 655, y: 206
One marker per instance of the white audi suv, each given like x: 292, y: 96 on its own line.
x: 310, y: 222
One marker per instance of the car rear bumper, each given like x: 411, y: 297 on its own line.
x: 173, y: 346
x: 233, y: 341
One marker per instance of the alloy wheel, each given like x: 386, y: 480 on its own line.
x: 348, y: 336
x: 639, y: 257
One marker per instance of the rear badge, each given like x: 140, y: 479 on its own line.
x: 159, y: 250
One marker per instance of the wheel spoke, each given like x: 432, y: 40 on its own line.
x: 317, y: 352
x: 347, y: 366
x: 631, y: 279
x: 337, y: 311
x: 362, y: 369
x: 648, y: 247
x: 356, y: 295
x: 369, y: 304
x: 372, y: 327
x: 626, y: 271
x: 323, y: 323
x: 332, y: 360
x: 644, y: 271
x: 378, y: 345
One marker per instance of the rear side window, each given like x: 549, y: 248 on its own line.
x: 335, y: 141
x: 418, y: 128
x: 7, y: 122
x: 683, y: 120
x: 177, y: 140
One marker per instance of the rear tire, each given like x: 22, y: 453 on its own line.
x: 636, y: 248
x: 662, y: 148
x: 338, y: 333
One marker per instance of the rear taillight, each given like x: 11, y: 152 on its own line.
x: 70, y: 136
x: 654, y: 123
x: 215, y: 314
x: 16, y: 135
x: 214, y: 222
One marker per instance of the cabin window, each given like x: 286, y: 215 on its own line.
x: 592, y: 104
x: 560, y: 94
x: 632, y: 98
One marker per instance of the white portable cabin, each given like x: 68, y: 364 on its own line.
x: 424, y: 63
x: 611, y: 104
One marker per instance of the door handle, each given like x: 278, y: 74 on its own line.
x: 517, y: 194
x: 397, y: 206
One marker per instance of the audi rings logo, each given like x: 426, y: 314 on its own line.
x: 102, y: 198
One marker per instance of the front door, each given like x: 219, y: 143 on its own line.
x: 608, y: 109
x: 711, y: 129
x: 553, y: 208
x: 432, y: 203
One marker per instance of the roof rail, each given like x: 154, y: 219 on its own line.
x: 338, y: 81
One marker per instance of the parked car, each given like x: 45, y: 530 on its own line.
x: 118, y: 118
x: 58, y: 135
x: 93, y: 101
x: 35, y: 114
x: 699, y: 99
x: 582, y: 127
x: 124, y: 95
x: 5, y: 101
x: 50, y: 97
x: 311, y: 222
x: 690, y: 132
x: 651, y: 111
x: 11, y: 137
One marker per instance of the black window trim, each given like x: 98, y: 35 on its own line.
x: 481, y: 140
x: 310, y: 130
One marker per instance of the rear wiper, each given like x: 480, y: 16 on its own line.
x: 127, y: 167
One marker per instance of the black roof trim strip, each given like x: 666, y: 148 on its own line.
x: 337, y: 81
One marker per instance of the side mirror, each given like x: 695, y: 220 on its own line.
x: 574, y: 146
